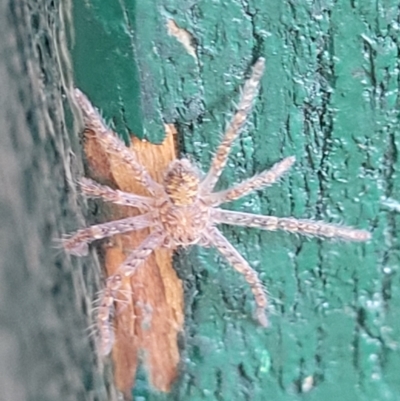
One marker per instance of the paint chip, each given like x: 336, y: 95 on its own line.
x: 183, y: 36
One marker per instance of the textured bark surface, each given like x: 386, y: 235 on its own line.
x: 330, y: 97
x: 45, y: 352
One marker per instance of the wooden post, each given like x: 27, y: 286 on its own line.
x: 330, y: 97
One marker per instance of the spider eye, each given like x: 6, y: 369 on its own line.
x: 181, y: 183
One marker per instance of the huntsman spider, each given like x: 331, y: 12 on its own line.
x: 183, y: 210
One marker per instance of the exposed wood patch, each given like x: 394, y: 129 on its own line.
x: 183, y: 36
x: 147, y: 324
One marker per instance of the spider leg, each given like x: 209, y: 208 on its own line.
x: 93, y: 189
x: 112, y: 143
x: 216, y: 239
x: 104, y: 323
x: 246, y: 100
x: 113, y: 286
x: 266, y: 178
x: 77, y: 244
x: 289, y: 224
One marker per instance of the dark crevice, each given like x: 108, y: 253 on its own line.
x: 279, y: 371
x: 299, y: 288
x: 362, y: 321
x: 219, y: 385
x: 246, y: 382
x: 370, y: 72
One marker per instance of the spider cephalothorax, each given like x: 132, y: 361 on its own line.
x: 183, y: 210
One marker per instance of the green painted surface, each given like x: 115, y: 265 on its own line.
x: 330, y: 97
x: 107, y: 43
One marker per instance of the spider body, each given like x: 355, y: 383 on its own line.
x: 183, y: 209
x: 183, y: 215
x: 184, y: 225
x: 181, y: 183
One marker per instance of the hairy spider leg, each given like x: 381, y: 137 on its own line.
x: 290, y: 224
x: 105, y: 328
x: 245, y: 103
x: 112, y: 143
x: 114, y: 283
x: 240, y: 264
x: 92, y: 189
x: 77, y: 244
x: 259, y: 181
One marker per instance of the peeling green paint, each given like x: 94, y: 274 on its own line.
x: 330, y: 97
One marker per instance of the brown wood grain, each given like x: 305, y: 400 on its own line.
x: 150, y: 316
